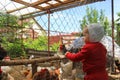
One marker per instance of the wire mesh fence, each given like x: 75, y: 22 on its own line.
x: 58, y: 24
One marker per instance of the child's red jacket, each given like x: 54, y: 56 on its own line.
x: 93, y: 57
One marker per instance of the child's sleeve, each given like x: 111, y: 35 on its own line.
x: 77, y: 56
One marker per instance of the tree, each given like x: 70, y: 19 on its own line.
x: 94, y: 16
x: 8, y: 34
x: 38, y: 44
x: 117, y: 27
x: 7, y: 20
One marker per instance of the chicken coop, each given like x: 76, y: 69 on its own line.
x: 38, y: 27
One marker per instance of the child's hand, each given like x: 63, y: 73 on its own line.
x: 67, y: 52
x: 61, y: 56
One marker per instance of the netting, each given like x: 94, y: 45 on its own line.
x: 63, y: 24
x: 63, y: 21
x: 66, y: 22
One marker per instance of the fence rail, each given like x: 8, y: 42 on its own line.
x: 34, y: 62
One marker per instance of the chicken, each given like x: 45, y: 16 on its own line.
x: 6, y: 76
x: 117, y: 63
x: 45, y: 74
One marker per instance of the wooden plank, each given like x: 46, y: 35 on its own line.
x: 63, y: 7
x: 27, y: 61
x: 39, y: 53
x: 10, y: 11
x: 39, y: 2
x: 28, y: 4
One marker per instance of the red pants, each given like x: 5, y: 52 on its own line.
x: 97, y: 76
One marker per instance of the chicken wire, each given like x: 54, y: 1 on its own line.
x: 58, y: 23
x: 61, y: 22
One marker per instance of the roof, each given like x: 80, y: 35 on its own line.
x: 66, y: 38
x: 39, y: 7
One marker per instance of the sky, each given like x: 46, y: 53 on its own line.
x: 106, y: 5
x: 68, y: 20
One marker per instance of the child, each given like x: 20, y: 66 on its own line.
x: 92, y: 54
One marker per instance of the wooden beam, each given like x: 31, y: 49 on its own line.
x: 27, y: 61
x: 28, y: 4
x: 69, y: 2
x: 64, y: 7
x: 41, y: 28
x: 16, y: 9
x: 22, y: 2
x: 59, y: 1
x: 39, y: 2
x: 30, y: 13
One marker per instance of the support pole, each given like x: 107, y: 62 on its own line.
x: 48, y: 32
x: 112, y: 66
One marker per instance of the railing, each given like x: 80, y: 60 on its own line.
x: 34, y: 62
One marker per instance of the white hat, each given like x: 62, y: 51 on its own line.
x: 96, y: 32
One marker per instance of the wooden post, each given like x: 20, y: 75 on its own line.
x: 48, y: 32
x: 34, y: 68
